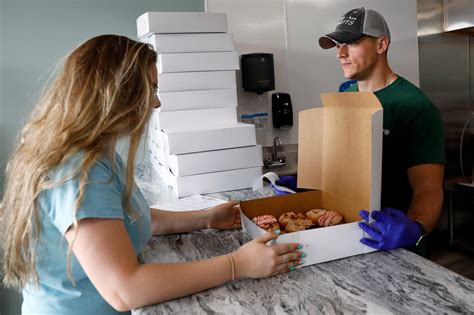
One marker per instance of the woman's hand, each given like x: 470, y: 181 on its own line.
x: 258, y: 260
x: 224, y: 216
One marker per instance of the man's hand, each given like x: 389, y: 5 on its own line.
x: 391, y: 229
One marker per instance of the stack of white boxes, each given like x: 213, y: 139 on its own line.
x: 195, y: 142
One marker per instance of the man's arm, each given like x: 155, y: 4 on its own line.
x: 392, y: 228
x: 426, y: 181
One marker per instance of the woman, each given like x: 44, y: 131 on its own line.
x: 75, y: 222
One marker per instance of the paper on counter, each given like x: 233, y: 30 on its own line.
x: 194, y: 202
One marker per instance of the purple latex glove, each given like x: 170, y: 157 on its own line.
x: 279, y: 191
x: 287, y: 181
x: 391, y: 229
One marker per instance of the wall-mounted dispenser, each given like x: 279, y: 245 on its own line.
x: 282, y: 111
x: 258, y: 75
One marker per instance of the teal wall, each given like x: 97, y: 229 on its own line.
x: 34, y: 36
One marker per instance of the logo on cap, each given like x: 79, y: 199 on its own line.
x: 348, y: 20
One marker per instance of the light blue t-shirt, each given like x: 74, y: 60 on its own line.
x: 55, y: 293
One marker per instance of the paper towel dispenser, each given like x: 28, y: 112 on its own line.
x: 258, y: 75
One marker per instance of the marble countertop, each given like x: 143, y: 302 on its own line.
x: 396, y: 281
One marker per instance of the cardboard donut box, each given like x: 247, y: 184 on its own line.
x: 340, y: 159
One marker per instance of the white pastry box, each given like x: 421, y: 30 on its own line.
x: 193, y: 81
x: 215, y: 161
x: 190, y: 140
x: 214, y: 182
x: 199, y: 118
x: 208, y: 61
x: 187, y: 43
x: 340, y: 155
x: 180, y: 22
x: 192, y: 100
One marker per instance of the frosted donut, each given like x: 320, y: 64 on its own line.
x: 267, y: 222
x: 330, y: 218
x: 315, y: 214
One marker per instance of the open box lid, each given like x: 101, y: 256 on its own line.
x: 340, y: 147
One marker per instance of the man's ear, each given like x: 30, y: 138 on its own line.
x: 382, y: 45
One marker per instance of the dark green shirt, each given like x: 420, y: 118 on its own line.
x: 413, y: 135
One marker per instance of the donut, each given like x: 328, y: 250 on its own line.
x: 267, y: 222
x: 303, y: 222
x: 330, y: 218
x: 315, y: 214
x: 293, y: 227
x: 285, y: 218
x: 293, y: 222
x: 300, y: 216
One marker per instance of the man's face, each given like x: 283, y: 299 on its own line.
x: 359, y: 58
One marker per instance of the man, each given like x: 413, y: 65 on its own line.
x: 413, y: 142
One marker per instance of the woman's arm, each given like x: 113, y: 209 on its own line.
x: 223, y: 216
x: 105, y: 252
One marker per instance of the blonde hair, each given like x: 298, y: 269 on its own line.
x: 104, y: 92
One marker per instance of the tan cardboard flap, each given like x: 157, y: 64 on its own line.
x: 335, y: 145
x: 351, y: 99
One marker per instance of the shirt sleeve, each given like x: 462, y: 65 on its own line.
x: 425, y: 137
x: 102, y: 197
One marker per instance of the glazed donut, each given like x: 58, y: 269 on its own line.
x: 267, y: 222
x: 303, y: 222
x: 293, y: 227
x: 293, y: 222
x: 287, y: 217
x: 300, y: 216
x: 315, y: 214
x: 330, y: 218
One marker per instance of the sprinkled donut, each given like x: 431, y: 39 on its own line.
x: 267, y: 222
x: 330, y: 218
x: 315, y: 214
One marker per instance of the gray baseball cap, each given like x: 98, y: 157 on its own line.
x: 354, y: 25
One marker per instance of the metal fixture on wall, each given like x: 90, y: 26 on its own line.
x: 446, y: 76
x: 275, y: 161
x: 458, y: 15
